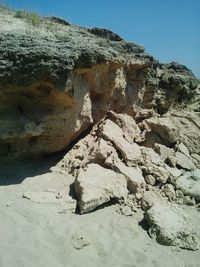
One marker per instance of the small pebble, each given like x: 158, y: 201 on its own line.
x: 126, y: 210
x: 59, y: 195
x: 8, y: 204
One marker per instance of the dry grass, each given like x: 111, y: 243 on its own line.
x: 32, y: 18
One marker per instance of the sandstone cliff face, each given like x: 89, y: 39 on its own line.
x: 57, y: 80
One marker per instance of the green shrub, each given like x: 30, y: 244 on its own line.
x: 20, y: 14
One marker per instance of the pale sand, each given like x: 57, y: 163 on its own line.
x: 40, y: 235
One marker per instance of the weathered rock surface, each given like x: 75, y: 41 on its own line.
x: 97, y: 185
x: 134, y: 176
x: 58, y: 79
x: 184, y: 162
x: 113, y: 133
x: 170, y: 226
x: 189, y: 183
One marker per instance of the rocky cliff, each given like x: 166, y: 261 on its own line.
x: 133, y: 123
x: 57, y: 80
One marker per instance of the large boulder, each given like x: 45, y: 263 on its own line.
x: 169, y: 225
x: 164, y: 128
x: 97, y: 185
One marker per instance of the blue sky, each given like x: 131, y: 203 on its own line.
x: 168, y: 29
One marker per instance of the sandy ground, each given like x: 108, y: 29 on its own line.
x: 44, y: 235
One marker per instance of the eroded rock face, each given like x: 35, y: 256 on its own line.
x: 57, y: 81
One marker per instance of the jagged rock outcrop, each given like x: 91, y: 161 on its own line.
x: 132, y: 123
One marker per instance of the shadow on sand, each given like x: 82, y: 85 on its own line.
x: 16, y: 171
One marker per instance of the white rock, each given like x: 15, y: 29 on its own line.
x: 98, y: 185
x: 135, y: 179
x: 189, y: 183
x: 170, y: 226
x: 169, y: 191
x: 150, y: 179
x: 172, y: 160
x: 183, y: 149
x: 80, y: 240
x: 184, y: 162
x: 148, y: 200
x: 164, y: 152
x: 187, y: 200
x: 112, y: 132
x: 179, y: 194
x: 150, y: 156
x: 174, y: 173
x: 126, y: 210
x: 159, y: 172
x: 128, y: 125
x: 196, y: 157
x: 164, y: 127
x: 103, y: 150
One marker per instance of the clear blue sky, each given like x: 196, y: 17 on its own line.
x: 168, y: 29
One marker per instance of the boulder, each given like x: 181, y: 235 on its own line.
x: 102, y: 150
x: 189, y: 183
x: 169, y: 225
x: 183, y: 149
x: 160, y: 173
x: 174, y: 173
x: 164, y: 152
x: 149, y: 198
x: 134, y: 176
x: 169, y: 192
x: 150, y: 156
x: 131, y: 130
x: 184, y: 162
x: 113, y: 133
x: 153, y: 165
x: 188, y: 125
x: 164, y: 128
x: 150, y: 179
x: 97, y: 185
x: 196, y: 157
